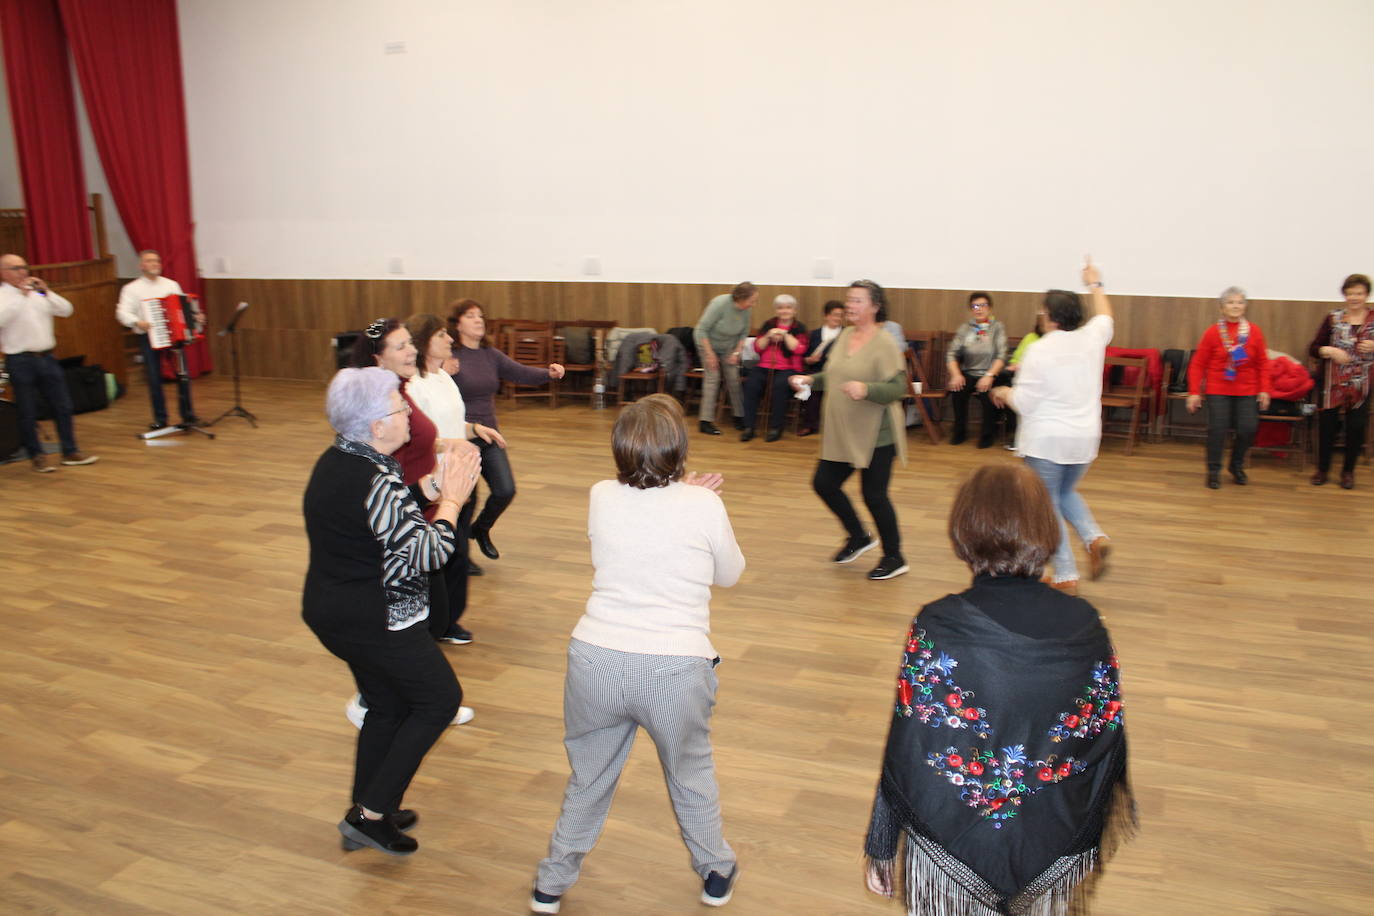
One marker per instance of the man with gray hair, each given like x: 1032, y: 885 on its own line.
x: 151, y: 284
x: 719, y: 337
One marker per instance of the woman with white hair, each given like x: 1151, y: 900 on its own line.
x: 781, y: 343
x: 367, y: 594
x: 1232, y: 363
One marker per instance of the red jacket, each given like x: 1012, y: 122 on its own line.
x: 1252, y: 376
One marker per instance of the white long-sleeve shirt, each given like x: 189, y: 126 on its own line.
x: 26, y: 319
x: 127, y: 311
x: 656, y: 553
x: 437, y: 394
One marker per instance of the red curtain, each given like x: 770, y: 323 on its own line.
x: 128, y: 56
x: 43, y: 109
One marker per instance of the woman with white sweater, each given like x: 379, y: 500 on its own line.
x: 640, y: 655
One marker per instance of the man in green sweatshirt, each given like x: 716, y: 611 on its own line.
x: 719, y: 336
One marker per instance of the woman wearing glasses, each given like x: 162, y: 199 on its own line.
x: 367, y: 594
x: 976, y: 354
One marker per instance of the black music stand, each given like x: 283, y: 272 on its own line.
x: 238, y: 410
x: 184, y: 389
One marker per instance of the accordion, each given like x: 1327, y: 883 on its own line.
x: 173, y: 321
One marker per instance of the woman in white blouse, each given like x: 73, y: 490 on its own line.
x: 1058, y: 396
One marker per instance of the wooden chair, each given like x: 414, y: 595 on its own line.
x: 592, y: 370
x: 1132, y: 396
x: 658, y: 379
x: 926, y: 364
x: 532, y: 345
x: 1165, y: 426
x: 929, y: 416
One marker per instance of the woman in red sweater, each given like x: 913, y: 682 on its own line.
x: 781, y: 343
x: 1232, y: 360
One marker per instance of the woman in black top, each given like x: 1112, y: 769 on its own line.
x: 367, y: 592
x: 1005, y: 765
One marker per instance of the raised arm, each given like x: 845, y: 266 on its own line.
x: 1092, y: 278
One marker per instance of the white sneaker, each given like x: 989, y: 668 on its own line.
x: 356, y: 712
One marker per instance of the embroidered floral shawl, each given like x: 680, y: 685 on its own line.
x: 1005, y: 763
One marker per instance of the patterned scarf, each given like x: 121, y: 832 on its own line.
x: 1236, y: 354
x: 1005, y: 762
x: 981, y: 327
x: 1347, y: 386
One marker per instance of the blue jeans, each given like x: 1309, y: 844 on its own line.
x: 1061, y: 480
x: 30, y: 373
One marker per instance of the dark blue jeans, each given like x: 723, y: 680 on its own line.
x: 30, y: 374
x: 152, y: 367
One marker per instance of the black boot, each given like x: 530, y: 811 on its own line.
x: 382, y: 835
x: 483, y: 538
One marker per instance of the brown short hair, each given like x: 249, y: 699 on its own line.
x: 422, y: 327
x: 650, y: 442
x: 743, y: 291
x: 1355, y: 280
x: 458, y: 309
x: 1003, y: 522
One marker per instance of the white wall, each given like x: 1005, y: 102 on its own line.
x: 1188, y: 144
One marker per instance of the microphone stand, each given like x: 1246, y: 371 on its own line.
x: 238, y: 410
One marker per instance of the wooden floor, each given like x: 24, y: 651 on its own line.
x: 174, y: 740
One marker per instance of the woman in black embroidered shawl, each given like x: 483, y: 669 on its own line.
x: 1005, y: 766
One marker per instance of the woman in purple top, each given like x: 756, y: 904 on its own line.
x: 481, y: 370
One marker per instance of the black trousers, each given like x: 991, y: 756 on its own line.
x: 500, y: 481
x: 1356, y: 422
x: 412, y: 696
x: 448, y: 588
x: 152, y: 368
x: 1224, y: 412
x: 760, y: 379
x: 828, y: 483
x: 989, y: 415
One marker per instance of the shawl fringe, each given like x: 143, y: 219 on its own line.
x: 934, y: 883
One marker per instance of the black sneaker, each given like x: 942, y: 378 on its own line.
x: 541, y: 902
x: 717, y: 888
x: 457, y: 636
x: 357, y: 831
x: 854, y: 547
x: 888, y: 568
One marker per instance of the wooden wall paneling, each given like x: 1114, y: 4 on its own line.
x: 91, y: 331
x: 314, y: 310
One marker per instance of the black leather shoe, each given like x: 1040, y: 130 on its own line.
x: 483, y: 538
x: 1347, y: 480
x: 382, y: 835
x: 1239, y: 476
x: 156, y: 425
x: 709, y: 428
x: 1318, y: 478
x: 746, y: 434
x: 1213, y: 480
x: 773, y: 435
x: 404, y: 819
x: 474, y: 569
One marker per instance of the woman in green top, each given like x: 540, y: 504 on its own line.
x: 864, y: 427
x: 1008, y: 376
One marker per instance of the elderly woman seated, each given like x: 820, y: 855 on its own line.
x: 1005, y: 765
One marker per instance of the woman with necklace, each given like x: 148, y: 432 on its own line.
x: 863, y: 426
x: 1345, y: 346
x: 977, y: 352
x: 1233, y: 361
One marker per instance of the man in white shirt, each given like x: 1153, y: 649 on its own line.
x: 1058, y: 396
x: 27, y: 308
x: 152, y: 285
